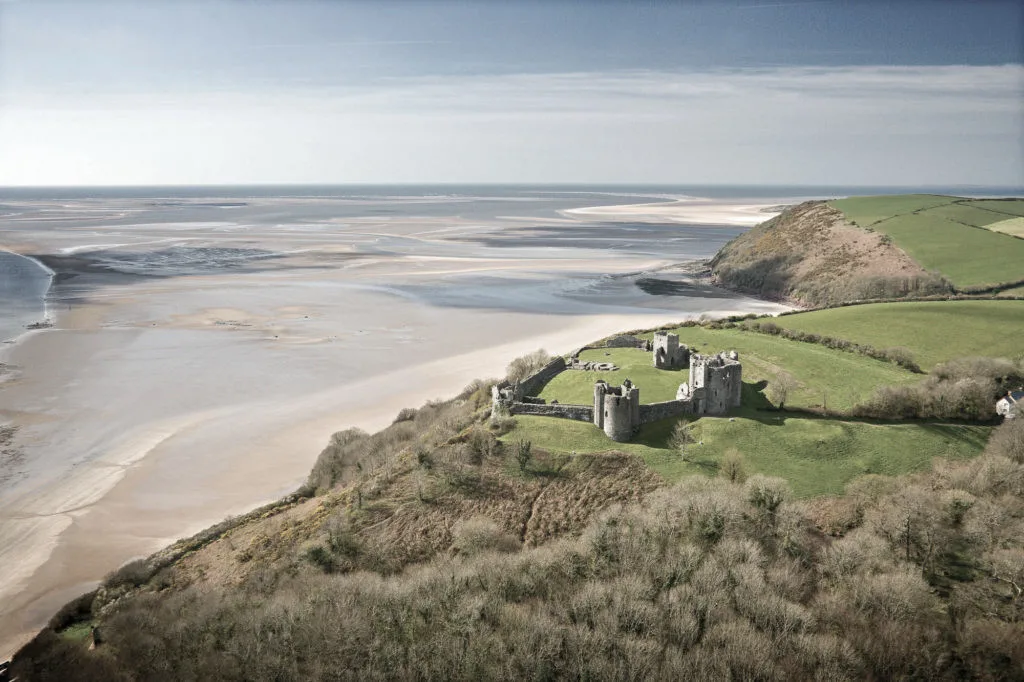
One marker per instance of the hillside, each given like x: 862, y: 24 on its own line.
x: 446, y: 546
x: 824, y: 253
x: 975, y: 243
x: 989, y: 328
x: 725, y: 578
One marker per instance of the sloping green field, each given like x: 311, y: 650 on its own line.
x: 968, y: 256
x: 947, y: 234
x: 866, y: 211
x: 934, y: 331
x: 817, y: 456
x: 1007, y: 206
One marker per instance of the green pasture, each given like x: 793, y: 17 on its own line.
x: 1010, y: 207
x: 818, y: 456
x: 934, y: 331
x: 947, y: 234
x: 968, y: 256
x: 866, y: 211
x: 577, y: 387
x: 824, y: 377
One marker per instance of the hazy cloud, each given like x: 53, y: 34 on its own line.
x: 816, y: 125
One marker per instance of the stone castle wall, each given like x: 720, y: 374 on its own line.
x: 532, y: 385
x: 580, y: 413
x: 657, y: 411
x: 625, y: 341
x: 714, y: 386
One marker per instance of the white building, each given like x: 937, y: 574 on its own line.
x: 1012, y: 405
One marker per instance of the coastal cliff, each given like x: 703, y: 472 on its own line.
x: 811, y: 254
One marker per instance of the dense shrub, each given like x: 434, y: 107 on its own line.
x: 966, y: 388
x: 524, y: 366
x: 707, y: 579
x: 694, y: 584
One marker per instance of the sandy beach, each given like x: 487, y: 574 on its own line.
x: 686, y: 210
x: 198, y: 366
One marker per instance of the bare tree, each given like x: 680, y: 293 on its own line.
x: 780, y: 388
x: 733, y: 467
x: 682, y: 438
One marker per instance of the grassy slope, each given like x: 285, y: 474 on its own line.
x: 936, y: 331
x: 1008, y: 206
x: 837, y: 378
x: 818, y: 456
x: 943, y: 234
x: 866, y: 211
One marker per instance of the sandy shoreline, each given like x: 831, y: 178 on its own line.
x: 687, y: 210
x: 157, y: 406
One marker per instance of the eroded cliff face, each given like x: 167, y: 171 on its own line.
x: 811, y: 254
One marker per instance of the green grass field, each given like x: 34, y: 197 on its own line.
x: 1011, y: 207
x: 1015, y: 291
x: 817, y: 456
x: 577, y: 387
x: 866, y: 211
x: 946, y: 234
x: 967, y: 256
x: 934, y: 331
x: 825, y: 377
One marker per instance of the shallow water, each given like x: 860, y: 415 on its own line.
x: 23, y: 286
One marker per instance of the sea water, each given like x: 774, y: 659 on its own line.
x: 24, y: 283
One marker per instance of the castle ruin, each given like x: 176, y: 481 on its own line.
x: 617, y: 409
x: 713, y: 388
x: 668, y: 352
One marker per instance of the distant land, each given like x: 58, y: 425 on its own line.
x: 880, y: 247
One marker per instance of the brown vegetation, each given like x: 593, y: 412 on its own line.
x: 966, y: 388
x: 709, y: 579
x: 811, y: 254
x: 524, y: 366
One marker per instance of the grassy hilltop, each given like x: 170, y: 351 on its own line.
x: 818, y: 454
x: 861, y: 516
x: 824, y: 253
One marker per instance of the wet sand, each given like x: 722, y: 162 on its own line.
x: 161, y: 403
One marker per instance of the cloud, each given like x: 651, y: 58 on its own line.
x: 817, y: 125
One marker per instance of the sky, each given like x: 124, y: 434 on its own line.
x: 816, y: 92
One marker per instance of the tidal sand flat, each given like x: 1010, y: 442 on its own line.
x: 208, y: 342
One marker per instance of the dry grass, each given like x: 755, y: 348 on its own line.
x: 707, y: 579
x: 810, y: 253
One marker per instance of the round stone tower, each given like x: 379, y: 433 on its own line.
x: 618, y: 417
x: 617, y: 409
